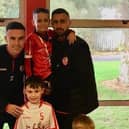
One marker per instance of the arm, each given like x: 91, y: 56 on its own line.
x: 84, y: 64
x: 84, y: 69
x: 71, y: 37
x: 82, y: 78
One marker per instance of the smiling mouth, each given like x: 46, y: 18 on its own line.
x: 17, y: 48
x: 33, y: 98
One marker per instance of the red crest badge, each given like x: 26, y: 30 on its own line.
x: 65, y: 60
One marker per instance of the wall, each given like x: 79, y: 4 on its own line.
x: 30, y: 5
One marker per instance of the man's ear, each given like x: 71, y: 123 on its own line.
x: 70, y: 22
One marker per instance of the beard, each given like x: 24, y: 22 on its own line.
x: 59, y: 31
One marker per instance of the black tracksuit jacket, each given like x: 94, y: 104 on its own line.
x: 74, y: 85
x: 11, y: 78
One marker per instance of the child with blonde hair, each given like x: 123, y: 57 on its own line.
x: 83, y: 122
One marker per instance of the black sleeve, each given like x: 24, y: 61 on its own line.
x: 3, y: 103
x: 82, y: 63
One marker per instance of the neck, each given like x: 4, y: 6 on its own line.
x: 13, y: 55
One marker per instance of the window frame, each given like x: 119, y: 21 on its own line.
x: 21, y: 18
x: 93, y: 23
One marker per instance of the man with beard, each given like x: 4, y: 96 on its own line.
x: 74, y: 86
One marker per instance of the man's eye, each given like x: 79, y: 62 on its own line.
x: 45, y: 20
x: 13, y: 38
x: 62, y: 21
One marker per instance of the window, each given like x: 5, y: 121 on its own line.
x: 10, y: 10
x: 99, y: 9
x: 2, y: 33
x: 106, y: 45
x: 93, y: 13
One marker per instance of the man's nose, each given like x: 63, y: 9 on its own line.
x: 58, y: 24
x: 16, y: 41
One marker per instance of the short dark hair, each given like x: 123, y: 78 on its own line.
x: 35, y: 82
x: 60, y: 10
x: 15, y: 25
x: 40, y: 10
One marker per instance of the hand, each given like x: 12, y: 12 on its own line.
x: 14, y: 110
x: 71, y: 37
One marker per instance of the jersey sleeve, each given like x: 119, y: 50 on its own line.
x: 53, y: 120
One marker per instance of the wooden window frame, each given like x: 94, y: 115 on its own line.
x: 21, y: 18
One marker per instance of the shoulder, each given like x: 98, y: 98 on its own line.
x: 32, y: 35
x: 81, y: 40
x: 3, y: 48
x: 47, y: 104
x: 81, y: 43
x: 32, y: 38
